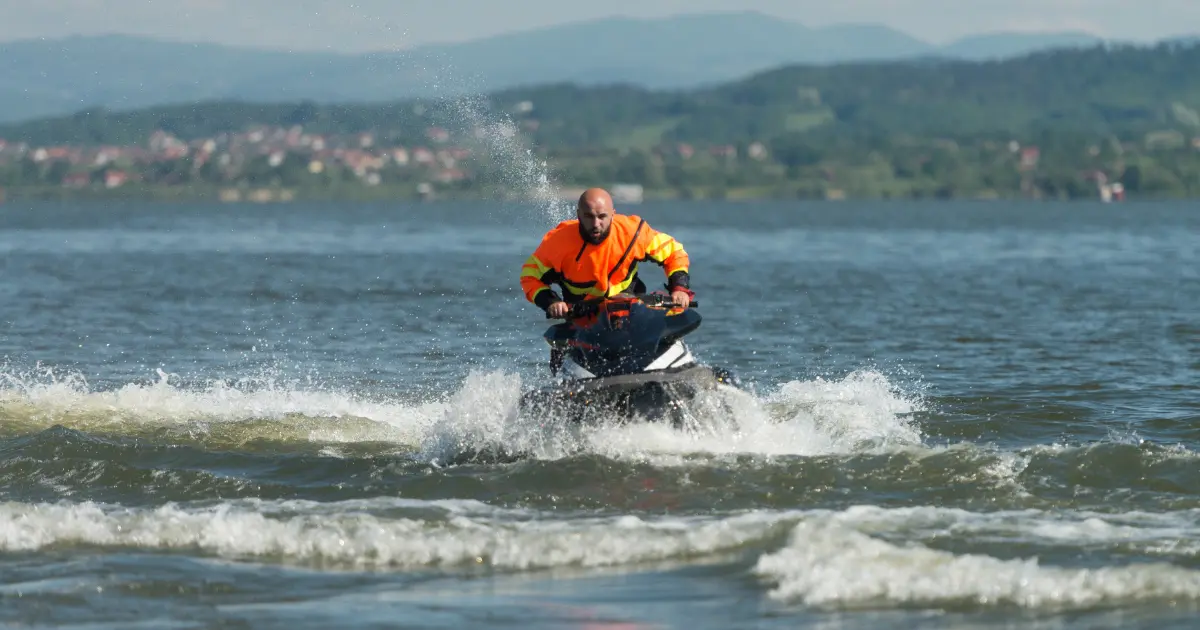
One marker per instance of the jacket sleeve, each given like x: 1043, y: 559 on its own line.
x: 536, y: 273
x: 669, y: 254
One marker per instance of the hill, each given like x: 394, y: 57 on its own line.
x: 999, y: 46
x: 49, y: 77
x: 1124, y: 91
x: 1058, y: 123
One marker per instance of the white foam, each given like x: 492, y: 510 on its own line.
x: 41, y: 402
x: 842, y: 559
x: 859, y: 412
x: 1135, y: 529
x: 347, y: 535
x: 855, y: 414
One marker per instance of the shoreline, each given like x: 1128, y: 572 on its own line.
x: 275, y: 196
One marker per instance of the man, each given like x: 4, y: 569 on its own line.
x: 597, y: 255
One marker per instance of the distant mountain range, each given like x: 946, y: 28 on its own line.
x: 41, y: 78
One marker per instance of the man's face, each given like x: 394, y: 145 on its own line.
x: 594, y: 222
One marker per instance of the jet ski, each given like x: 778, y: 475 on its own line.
x: 623, y: 358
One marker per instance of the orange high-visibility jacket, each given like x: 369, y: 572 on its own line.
x: 587, y: 271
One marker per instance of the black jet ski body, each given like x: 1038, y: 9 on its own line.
x: 624, y: 358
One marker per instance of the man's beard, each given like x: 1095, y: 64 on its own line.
x: 594, y: 240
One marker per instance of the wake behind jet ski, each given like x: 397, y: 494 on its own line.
x: 624, y: 358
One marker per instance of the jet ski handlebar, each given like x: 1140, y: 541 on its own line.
x: 581, y: 309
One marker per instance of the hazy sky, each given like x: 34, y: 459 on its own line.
x: 355, y: 25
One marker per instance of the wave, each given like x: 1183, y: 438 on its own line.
x: 837, y: 562
x: 858, y: 557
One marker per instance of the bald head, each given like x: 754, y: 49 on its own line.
x: 597, y: 198
x: 595, y: 211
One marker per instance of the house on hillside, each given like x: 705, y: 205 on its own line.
x: 1029, y: 157
x: 115, y: 178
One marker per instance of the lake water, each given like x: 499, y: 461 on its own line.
x: 959, y: 415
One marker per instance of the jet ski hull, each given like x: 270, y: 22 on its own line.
x: 650, y: 396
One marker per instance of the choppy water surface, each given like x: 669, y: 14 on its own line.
x: 961, y: 415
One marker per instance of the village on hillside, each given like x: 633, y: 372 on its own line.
x: 272, y: 163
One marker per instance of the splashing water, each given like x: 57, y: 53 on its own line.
x: 460, y: 105
x: 859, y: 412
x: 506, y: 157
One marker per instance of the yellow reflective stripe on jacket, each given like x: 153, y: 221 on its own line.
x: 585, y: 291
x: 620, y: 287
x: 532, y: 273
x: 534, y: 268
x: 661, y: 246
x: 613, y: 289
x: 661, y: 249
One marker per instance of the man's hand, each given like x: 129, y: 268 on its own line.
x: 681, y: 299
x: 558, y: 309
